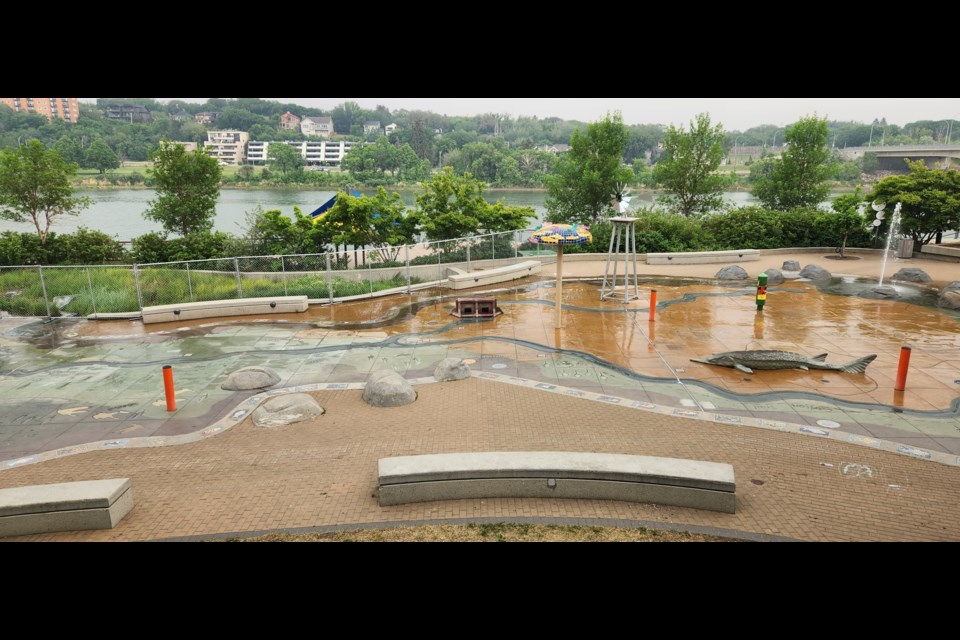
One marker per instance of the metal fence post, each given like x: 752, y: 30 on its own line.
x: 329, y: 279
x: 469, y: 261
x: 406, y: 251
x: 93, y: 297
x: 283, y: 268
x: 43, y: 287
x: 136, y: 280
x: 189, y: 283
x: 493, y: 247
x: 368, y: 257
x: 236, y: 265
x: 516, y: 246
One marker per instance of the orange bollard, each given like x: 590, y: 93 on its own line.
x: 168, y: 389
x: 653, y: 306
x: 904, y: 370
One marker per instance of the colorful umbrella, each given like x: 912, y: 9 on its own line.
x: 561, y: 235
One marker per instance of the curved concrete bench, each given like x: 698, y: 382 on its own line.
x: 75, y: 506
x: 460, y: 281
x: 711, y: 257
x: 941, y: 252
x: 225, y: 309
x: 575, y: 476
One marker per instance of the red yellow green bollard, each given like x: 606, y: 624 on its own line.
x: 762, y: 292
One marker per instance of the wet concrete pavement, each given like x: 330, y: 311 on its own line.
x: 70, y: 383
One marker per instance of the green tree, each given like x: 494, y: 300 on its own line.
x: 345, y: 116
x: 930, y: 199
x: 845, y: 221
x: 421, y: 139
x: 274, y: 234
x: 36, y: 185
x: 643, y: 138
x: 101, y: 157
x: 586, y: 179
x: 69, y: 149
x: 286, y: 158
x: 238, y: 119
x: 412, y: 168
x: 369, y: 163
x: 798, y: 179
x: 760, y: 171
x: 452, y: 206
x: 348, y: 223
x: 188, y: 187
x: 381, y: 222
x: 687, y: 168
x: 871, y: 163
x: 392, y: 226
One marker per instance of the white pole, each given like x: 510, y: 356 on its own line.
x: 560, y: 287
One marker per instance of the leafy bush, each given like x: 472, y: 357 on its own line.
x: 660, y: 232
x: 745, y: 228
x: 87, y: 247
x: 153, y: 248
x: 758, y: 228
x: 82, y: 247
x: 150, y: 248
x: 18, y: 249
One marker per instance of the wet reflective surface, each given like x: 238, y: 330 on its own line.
x: 111, y: 370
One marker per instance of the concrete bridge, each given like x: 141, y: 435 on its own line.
x: 937, y: 156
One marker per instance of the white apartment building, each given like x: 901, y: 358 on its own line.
x: 228, y: 147
x: 315, y: 153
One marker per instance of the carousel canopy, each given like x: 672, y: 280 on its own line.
x: 562, y: 234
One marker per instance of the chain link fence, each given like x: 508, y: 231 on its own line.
x: 100, y: 291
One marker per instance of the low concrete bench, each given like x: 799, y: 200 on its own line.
x: 941, y: 252
x: 574, y: 476
x: 462, y: 280
x: 225, y: 309
x: 711, y: 257
x: 75, y: 506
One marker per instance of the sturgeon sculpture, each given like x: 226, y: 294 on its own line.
x: 750, y: 361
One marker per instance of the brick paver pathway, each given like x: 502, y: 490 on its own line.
x: 325, y: 473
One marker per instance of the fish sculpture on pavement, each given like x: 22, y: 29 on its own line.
x: 750, y: 361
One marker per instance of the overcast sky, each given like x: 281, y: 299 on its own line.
x: 734, y: 113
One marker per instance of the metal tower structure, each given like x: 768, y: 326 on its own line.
x: 623, y: 229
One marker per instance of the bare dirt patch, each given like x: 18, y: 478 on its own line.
x: 493, y: 533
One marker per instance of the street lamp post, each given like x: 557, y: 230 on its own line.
x: 950, y: 128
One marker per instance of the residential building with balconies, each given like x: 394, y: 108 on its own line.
x: 228, y: 147
x: 67, y: 109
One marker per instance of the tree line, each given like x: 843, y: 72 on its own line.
x: 586, y: 186
x: 36, y: 187
x: 500, y: 149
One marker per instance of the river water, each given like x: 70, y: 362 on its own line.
x: 119, y: 213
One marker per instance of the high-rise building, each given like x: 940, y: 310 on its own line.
x: 64, y: 108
